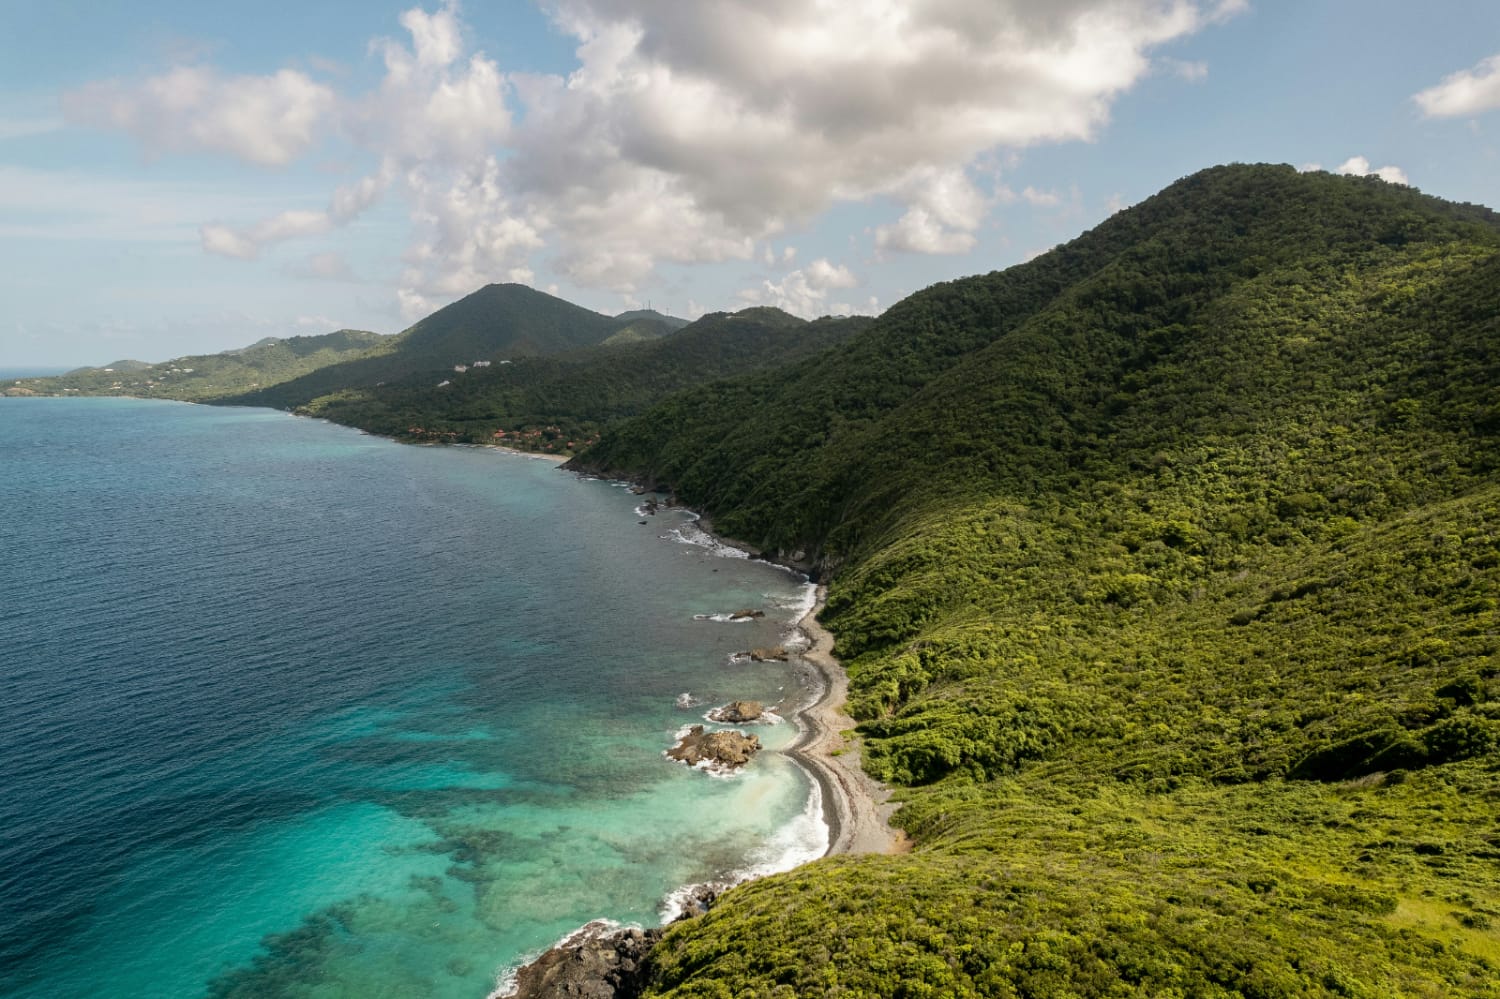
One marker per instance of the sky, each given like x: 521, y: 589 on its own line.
x: 183, y: 177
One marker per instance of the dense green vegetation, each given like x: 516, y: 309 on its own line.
x: 497, y: 322
x: 555, y: 402
x: 207, y: 377
x: 1165, y: 568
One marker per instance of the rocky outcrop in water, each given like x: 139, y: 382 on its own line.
x: 594, y: 963
x: 746, y: 614
x: 598, y: 962
x: 736, y: 712
x: 719, y: 749
x: 774, y: 653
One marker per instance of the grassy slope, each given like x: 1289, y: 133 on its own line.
x: 1165, y: 569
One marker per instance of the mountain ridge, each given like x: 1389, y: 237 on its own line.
x: 1163, y: 570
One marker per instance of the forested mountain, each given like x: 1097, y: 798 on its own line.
x: 552, y: 403
x: 202, y: 377
x: 1165, y: 568
x: 499, y: 321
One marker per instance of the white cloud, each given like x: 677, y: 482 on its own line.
x: 268, y: 120
x: 1467, y: 92
x: 1042, y: 199
x: 755, y: 118
x: 347, y: 203
x: 804, y: 292
x: 1358, y: 166
x: 467, y: 235
x: 945, y: 210
x: 688, y: 133
x: 1116, y: 203
x: 1192, y: 72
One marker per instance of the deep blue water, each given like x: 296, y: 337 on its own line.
x: 287, y: 710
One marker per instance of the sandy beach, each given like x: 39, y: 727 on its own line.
x: 855, y: 805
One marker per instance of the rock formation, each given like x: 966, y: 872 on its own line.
x: 722, y: 749
x: 736, y: 712
x: 594, y: 963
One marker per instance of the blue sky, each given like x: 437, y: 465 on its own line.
x: 185, y: 177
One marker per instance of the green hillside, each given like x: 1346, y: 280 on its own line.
x: 644, y: 324
x: 1165, y: 568
x: 552, y: 403
x: 498, y: 321
x: 204, y: 377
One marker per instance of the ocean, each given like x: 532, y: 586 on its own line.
x: 289, y: 710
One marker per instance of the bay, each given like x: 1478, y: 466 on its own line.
x: 288, y: 710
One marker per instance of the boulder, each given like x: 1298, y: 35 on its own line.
x: 773, y: 654
x: 722, y: 749
x: 746, y: 615
x: 736, y: 712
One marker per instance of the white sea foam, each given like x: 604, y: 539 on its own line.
x: 800, y: 604
x: 723, y: 618
x: 802, y: 840
x: 767, y: 717
x: 686, y: 701
x: 689, y: 533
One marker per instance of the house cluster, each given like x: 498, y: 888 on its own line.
x: 545, y: 439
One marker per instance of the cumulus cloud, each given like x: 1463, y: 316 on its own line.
x: 945, y: 210
x: 754, y: 117
x: 804, y: 292
x: 1467, y: 92
x: 468, y: 234
x: 1358, y: 166
x: 347, y: 203
x: 687, y: 133
x: 269, y: 120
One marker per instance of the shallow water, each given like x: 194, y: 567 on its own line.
x: 287, y: 710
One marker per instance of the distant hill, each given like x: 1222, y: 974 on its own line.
x: 204, y: 377
x: 1165, y: 570
x: 651, y: 315
x: 550, y: 402
x: 497, y: 322
x: 641, y: 330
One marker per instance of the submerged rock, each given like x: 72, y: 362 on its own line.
x: 721, y: 749
x: 738, y: 711
x: 746, y: 615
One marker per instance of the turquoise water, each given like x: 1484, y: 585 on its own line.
x: 287, y: 710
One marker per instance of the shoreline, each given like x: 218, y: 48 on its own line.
x: 856, y: 808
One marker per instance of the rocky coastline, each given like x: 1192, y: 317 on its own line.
x: 603, y: 962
